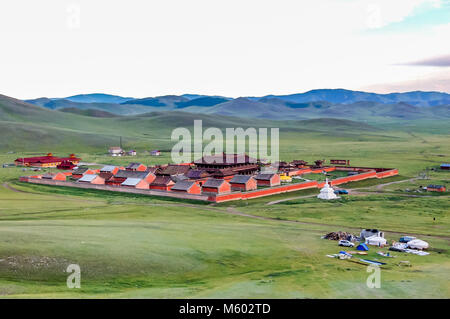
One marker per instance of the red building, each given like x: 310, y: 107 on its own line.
x: 136, y: 167
x: 217, y: 186
x: 122, y: 175
x: 136, y: 183
x: 162, y: 183
x: 173, y: 169
x: 46, y: 161
x: 318, y: 164
x: 66, y: 165
x: 109, y: 169
x: 55, y: 176
x: 299, y: 163
x: 92, y: 179
x: 268, y: 179
x: 227, y: 165
x: 200, y: 176
x: 186, y: 186
x: 80, y: 172
x: 243, y: 183
x: 223, y: 173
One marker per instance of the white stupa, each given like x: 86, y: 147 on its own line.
x: 327, y: 192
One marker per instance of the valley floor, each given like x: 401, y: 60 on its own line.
x: 143, y: 247
x: 147, y: 247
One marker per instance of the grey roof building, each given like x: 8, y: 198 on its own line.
x: 80, y: 171
x: 107, y: 168
x: 132, y: 174
x: 264, y: 176
x: 131, y: 181
x: 214, y: 183
x: 240, y: 179
x: 88, y: 178
x: 183, y: 185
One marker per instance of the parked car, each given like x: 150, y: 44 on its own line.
x: 341, y: 191
x: 406, y: 239
x: 346, y: 243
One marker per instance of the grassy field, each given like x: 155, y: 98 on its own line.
x: 131, y: 245
x: 139, y: 246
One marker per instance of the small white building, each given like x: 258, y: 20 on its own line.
x: 155, y: 153
x: 327, y: 192
x: 366, y: 233
x: 116, y: 151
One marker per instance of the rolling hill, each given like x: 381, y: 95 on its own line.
x: 114, y: 108
x: 88, y: 112
x: 170, y: 102
x: 276, y: 109
x: 202, y: 101
x: 338, y: 103
x: 24, y: 126
x: 244, y: 107
x: 159, y: 101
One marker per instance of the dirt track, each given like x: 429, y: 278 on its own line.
x: 380, y: 186
x: 6, y: 185
x: 355, y: 191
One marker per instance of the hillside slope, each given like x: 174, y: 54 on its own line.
x: 277, y: 109
x: 29, y: 127
x: 88, y: 112
x: 243, y: 107
x: 115, y: 108
x: 339, y: 103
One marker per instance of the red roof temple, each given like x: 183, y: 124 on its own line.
x: 47, y: 161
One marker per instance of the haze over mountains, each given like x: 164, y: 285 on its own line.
x: 332, y: 103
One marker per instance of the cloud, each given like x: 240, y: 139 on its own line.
x: 439, y: 82
x: 439, y: 61
x: 382, y: 13
x: 230, y: 48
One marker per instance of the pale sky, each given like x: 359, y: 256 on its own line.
x: 142, y: 48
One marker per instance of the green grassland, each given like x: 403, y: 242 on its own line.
x: 131, y: 245
x: 144, y: 247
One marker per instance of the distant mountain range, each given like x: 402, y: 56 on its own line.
x: 341, y: 96
x: 24, y: 126
x: 333, y: 103
x: 98, y: 98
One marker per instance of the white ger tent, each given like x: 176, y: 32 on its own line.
x: 417, y: 244
x: 376, y: 241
